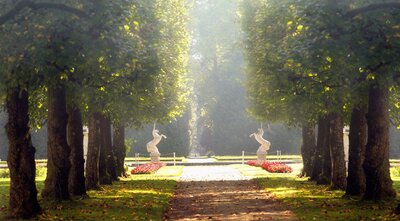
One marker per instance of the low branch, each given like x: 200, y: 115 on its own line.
x: 373, y: 7
x: 36, y: 6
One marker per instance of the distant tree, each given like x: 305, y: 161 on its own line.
x: 215, y: 68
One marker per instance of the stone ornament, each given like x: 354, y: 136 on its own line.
x: 152, y: 145
x: 265, y: 144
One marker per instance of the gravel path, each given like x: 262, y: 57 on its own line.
x: 210, y: 173
x: 222, y: 193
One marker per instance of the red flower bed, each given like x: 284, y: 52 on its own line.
x: 147, y: 168
x: 255, y: 163
x: 272, y: 167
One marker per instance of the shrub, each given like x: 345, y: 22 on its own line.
x: 395, y: 171
x: 41, y: 171
x: 4, y: 173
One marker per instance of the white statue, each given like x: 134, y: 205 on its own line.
x: 265, y: 144
x: 152, y: 145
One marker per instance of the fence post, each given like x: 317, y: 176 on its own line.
x: 243, y: 157
x: 174, y: 159
x: 278, y: 155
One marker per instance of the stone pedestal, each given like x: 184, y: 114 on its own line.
x: 155, y: 157
x: 261, y: 155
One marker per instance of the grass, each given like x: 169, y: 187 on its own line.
x: 139, y: 197
x: 3, y: 162
x: 316, y: 202
x: 130, y: 159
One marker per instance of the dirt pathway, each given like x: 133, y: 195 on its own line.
x: 222, y: 193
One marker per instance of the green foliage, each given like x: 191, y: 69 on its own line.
x: 131, y: 50
x: 307, y: 58
x: 395, y: 172
x: 128, y: 145
x: 41, y: 171
x: 4, y: 173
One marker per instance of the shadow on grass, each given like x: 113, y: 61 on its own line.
x: 310, y: 201
x: 129, y: 199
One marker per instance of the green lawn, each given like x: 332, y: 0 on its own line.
x: 316, y: 202
x: 140, y: 197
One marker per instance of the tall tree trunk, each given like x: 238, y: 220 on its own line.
x: 326, y: 167
x: 308, y: 149
x: 109, y: 150
x: 357, y: 142
x: 338, y: 178
x: 76, y: 184
x: 376, y: 163
x: 119, y: 148
x: 58, y: 164
x: 93, y: 152
x: 104, y: 174
x: 21, y: 158
x: 321, y: 143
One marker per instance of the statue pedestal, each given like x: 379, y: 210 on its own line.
x: 261, y: 155
x: 155, y: 157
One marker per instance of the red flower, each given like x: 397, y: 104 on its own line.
x: 272, y: 167
x: 147, y: 168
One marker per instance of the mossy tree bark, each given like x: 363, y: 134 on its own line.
x: 376, y: 164
x: 21, y: 158
x: 93, y: 152
x: 308, y: 149
x: 338, y: 177
x: 119, y: 148
x: 326, y: 166
x: 109, y: 150
x: 319, y: 151
x: 357, y: 142
x: 104, y: 174
x: 58, y: 163
x: 76, y: 182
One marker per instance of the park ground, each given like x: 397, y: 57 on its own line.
x: 149, y: 196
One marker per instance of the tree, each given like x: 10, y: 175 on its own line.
x: 58, y: 162
x: 376, y: 164
x: 314, y: 53
x: 93, y: 154
x: 146, y: 82
x: 307, y: 149
x: 107, y: 172
x: 21, y: 75
x: 288, y: 83
x: 76, y: 180
x: 23, y: 193
x: 119, y: 148
x: 357, y: 143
